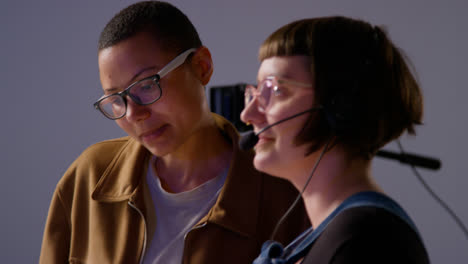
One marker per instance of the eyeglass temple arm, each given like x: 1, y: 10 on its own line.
x: 175, y: 62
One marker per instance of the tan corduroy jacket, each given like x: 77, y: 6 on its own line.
x: 101, y: 211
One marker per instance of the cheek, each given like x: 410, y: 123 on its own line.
x: 186, y: 102
x: 264, y: 161
x: 125, y: 126
x: 181, y: 92
x: 285, y: 131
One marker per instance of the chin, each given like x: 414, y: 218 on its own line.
x: 158, y: 150
x: 266, y: 164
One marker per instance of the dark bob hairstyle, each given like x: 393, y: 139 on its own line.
x: 368, y: 93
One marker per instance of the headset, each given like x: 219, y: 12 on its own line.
x: 228, y: 101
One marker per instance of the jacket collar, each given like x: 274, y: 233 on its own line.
x: 123, y: 176
x: 237, y: 207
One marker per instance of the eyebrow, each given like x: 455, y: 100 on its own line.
x: 132, y: 80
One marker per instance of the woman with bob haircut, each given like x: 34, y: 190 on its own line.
x: 331, y: 92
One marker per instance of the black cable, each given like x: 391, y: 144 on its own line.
x: 434, y: 195
x: 415, y: 171
x: 325, y: 148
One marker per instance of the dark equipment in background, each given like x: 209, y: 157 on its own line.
x: 228, y: 101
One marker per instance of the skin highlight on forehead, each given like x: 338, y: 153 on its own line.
x: 138, y: 55
x: 287, y: 67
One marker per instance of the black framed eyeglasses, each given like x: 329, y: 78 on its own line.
x: 143, y: 92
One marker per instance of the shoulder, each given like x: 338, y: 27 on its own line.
x: 93, y: 161
x: 368, y: 235
x: 367, y: 220
x: 106, y: 149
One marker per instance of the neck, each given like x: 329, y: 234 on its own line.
x: 196, y: 161
x: 337, y: 177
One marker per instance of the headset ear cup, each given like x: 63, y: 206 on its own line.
x: 331, y: 120
x: 340, y: 115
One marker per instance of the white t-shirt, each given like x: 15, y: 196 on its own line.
x: 176, y: 214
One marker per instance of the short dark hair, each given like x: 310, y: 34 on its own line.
x: 170, y: 27
x: 361, y: 79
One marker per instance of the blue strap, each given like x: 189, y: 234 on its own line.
x: 274, y: 253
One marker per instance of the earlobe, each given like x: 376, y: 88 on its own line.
x: 202, y: 64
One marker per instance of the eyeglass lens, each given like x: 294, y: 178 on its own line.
x: 143, y: 93
x: 262, y: 92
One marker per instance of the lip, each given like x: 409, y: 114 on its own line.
x: 263, y: 140
x: 153, y: 134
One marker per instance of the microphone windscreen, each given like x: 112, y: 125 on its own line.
x: 248, y: 140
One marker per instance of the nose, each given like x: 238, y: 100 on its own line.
x: 136, y: 112
x: 251, y: 114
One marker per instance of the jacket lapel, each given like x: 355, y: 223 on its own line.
x: 124, y: 174
x: 237, y: 207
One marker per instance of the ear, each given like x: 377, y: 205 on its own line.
x: 202, y: 64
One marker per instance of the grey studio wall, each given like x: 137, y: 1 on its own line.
x: 49, y: 80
